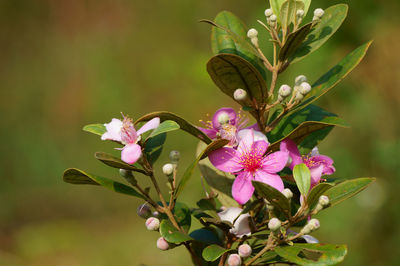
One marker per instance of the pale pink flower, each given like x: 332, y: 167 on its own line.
x: 249, y: 163
x: 241, y: 226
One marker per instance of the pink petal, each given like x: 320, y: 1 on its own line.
x: 273, y: 180
x: 260, y: 147
x: 323, y: 159
x: 113, y: 130
x: 316, y: 173
x: 211, y: 133
x: 275, y: 162
x: 131, y: 153
x: 255, y: 127
x: 290, y: 146
x: 225, y: 159
x: 246, y: 142
x: 257, y: 135
x: 229, y: 111
x: 152, y: 124
x: 242, y: 189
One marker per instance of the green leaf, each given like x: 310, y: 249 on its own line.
x: 347, y: 189
x: 207, y: 204
x: 288, y: 13
x: 316, y: 192
x: 98, y: 129
x: 166, y: 126
x: 302, y: 176
x: 76, y: 176
x: 312, y: 140
x: 313, y: 254
x: 223, y: 225
x: 294, y: 40
x: 276, y: 7
x: 115, y: 162
x: 230, y: 72
x: 216, y: 144
x: 183, y: 215
x: 184, y: 125
x: 206, y: 236
x: 329, y: 24
x: 307, y: 4
x: 302, y: 123
x: 154, y: 146
x: 274, y: 197
x: 171, y: 234
x: 213, y: 252
x: 229, y: 36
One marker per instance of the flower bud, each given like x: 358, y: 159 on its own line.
x: 314, y: 223
x: 244, y: 251
x: 240, y: 95
x: 268, y: 12
x: 252, y: 33
x: 144, y: 211
x: 272, y: 18
x: 288, y: 193
x: 162, y: 244
x: 285, y: 90
x: 319, y: 12
x: 305, y: 88
x: 234, y: 260
x: 300, y: 13
x: 174, y: 156
x: 299, y: 96
x: 156, y: 214
x: 323, y: 200
x: 152, y: 224
x: 300, y: 79
x: 274, y: 224
x: 168, y: 169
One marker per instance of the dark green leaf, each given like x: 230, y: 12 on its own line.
x: 274, y: 197
x: 115, y: 162
x: 347, y: 189
x: 154, y: 146
x: 316, y: 192
x: 294, y: 40
x: 183, y: 215
x: 223, y: 225
x: 171, y: 234
x: 302, y: 176
x: 313, y: 254
x: 76, y: 176
x: 207, y: 204
x: 98, y: 129
x: 213, y: 252
x: 312, y: 140
x: 166, y: 126
x: 330, y: 22
x: 206, y: 236
x: 184, y: 125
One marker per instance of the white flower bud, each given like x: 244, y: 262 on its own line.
x: 240, y: 95
x: 272, y: 18
x: 244, y: 251
x: 314, y: 223
x: 144, y: 211
x: 252, y: 33
x: 174, y: 156
x: 152, y: 224
x: 319, y: 12
x: 162, y: 244
x: 305, y: 88
x: 300, y: 79
x: 234, y: 260
x: 223, y: 118
x: 280, y: 98
x: 299, y: 96
x: 323, y: 200
x: 274, y: 224
x: 300, y: 13
x: 254, y: 41
x: 268, y: 12
x: 285, y: 90
x: 168, y: 169
x: 288, y: 193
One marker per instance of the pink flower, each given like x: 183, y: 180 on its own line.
x: 125, y: 132
x: 249, y: 163
x: 318, y: 164
x: 226, y: 123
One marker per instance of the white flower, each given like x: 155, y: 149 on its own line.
x: 252, y: 33
x: 113, y: 130
x: 241, y: 226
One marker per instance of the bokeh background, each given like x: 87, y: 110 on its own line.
x: 67, y: 63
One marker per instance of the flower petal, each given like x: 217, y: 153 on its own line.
x: 152, y: 124
x: 316, y: 173
x: 113, y: 130
x: 290, y: 146
x: 241, y: 226
x: 225, y: 159
x: 275, y: 162
x: 131, y: 153
x: 257, y: 135
x: 211, y: 133
x: 242, y: 188
x: 230, y: 214
x: 273, y: 180
x: 259, y: 148
x: 229, y: 111
x: 246, y: 142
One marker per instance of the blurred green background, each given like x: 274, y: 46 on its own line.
x: 67, y: 63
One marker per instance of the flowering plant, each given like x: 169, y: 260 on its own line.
x: 266, y: 180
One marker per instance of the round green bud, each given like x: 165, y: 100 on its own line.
x: 285, y: 90
x: 174, y: 156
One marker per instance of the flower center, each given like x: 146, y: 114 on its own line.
x: 251, y: 161
x: 308, y: 160
x: 228, y: 132
x: 128, y: 132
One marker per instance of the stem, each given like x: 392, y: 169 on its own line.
x: 270, y: 245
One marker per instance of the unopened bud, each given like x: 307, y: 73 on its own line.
x: 280, y: 98
x: 274, y: 224
x: 305, y: 88
x: 299, y: 96
x: 252, y: 33
x: 268, y: 12
x: 234, y: 260
x: 244, y: 250
x: 254, y: 41
x: 300, y: 13
x: 272, y: 18
x: 285, y: 90
x: 323, y: 200
x: 152, y: 224
x: 312, y: 225
x: 287, y: 193
x: 300, y: 79
x: 156, y: 214
x: 319, y: 12
x: 162, y: 244
x: 144, y: 211
x: 240, y: 95
x: 168, y: 169
x: 174, y: 156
